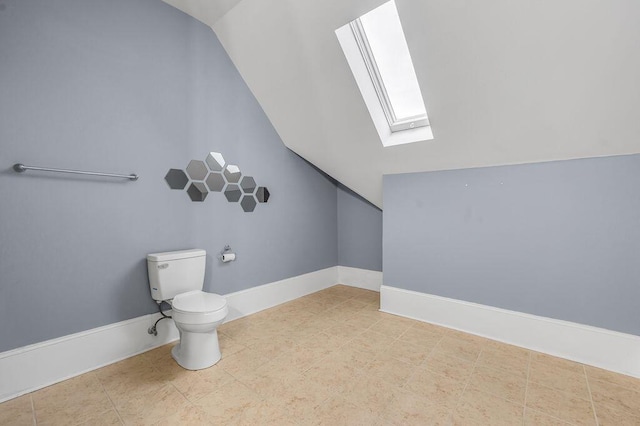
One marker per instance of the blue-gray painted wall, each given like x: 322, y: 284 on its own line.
x: 133, y: 86
x: 359, y: 231
x: 558, y: 239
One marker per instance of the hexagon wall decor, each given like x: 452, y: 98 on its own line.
x: 214, y: 174
x: 197, y: 191
x: 232, y: 193
x: 248, y: 184
x: 232, y: 173
x: 215, y: 161
x: 248, y: 203
x: 197, y: 170
x: 176, y: 179
x: 215, y: 182
x: 262, y: 194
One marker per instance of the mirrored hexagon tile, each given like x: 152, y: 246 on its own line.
x: 232, y: 173
x: 197, y: 191
x: 248, y: 184
x: 215, y: 161
x: 215, y: 175
x: 248, y: 203
x: 262, y: 194
x: 232, y: 193
x: 197, y: 170
x: 176, y: 179
x: 215, y: 182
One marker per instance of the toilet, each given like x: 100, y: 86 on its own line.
x: 177, y: 277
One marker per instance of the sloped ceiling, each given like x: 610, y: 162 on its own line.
x: 504, y: 81
x: 207, y: 11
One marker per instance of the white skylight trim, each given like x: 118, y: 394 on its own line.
x: 384, y: 49
x: 379, y: 58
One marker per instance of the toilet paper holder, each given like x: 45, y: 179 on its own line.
x: 226, y: 255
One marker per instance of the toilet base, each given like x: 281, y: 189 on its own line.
x: 197, y: 350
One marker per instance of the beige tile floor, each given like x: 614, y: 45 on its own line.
x: 331, y: 358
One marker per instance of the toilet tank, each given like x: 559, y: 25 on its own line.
x: 175, y: 272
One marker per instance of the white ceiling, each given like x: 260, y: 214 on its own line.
x: 207, y: 11
x: 504, y: 81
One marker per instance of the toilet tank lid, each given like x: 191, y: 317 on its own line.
x: 175, y: 255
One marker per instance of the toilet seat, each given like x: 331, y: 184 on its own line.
x: 198, y: 307
x: 198, y: 301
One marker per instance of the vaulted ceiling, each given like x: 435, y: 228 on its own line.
x: 504, y: 81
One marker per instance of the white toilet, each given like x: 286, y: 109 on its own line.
x: 177, y: 277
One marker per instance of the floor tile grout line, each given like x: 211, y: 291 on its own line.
x: 562, y: 391
x: 526, y: 389
x: 466, y: 385
x: 416, y: 368
x: 33, y: 409
x: 557, y: 419
x: 502, y: 372
x: 593, y: 405
x: 571, y: 394
x: 452, y: 355
x: 109, y: 397
x: 170, y: 382
x: 613, y: 382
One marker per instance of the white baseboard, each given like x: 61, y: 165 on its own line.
x: 361, y: 278
x: 33, y: 367
x: 589, y: 345
x: 256, y: 299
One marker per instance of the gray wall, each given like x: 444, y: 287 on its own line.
x: 133, y: 86
x: 558, y: 239
x: 359, y: 231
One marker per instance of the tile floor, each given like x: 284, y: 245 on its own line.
x: 331, y: 358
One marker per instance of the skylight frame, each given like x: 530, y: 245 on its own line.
x: 395, y: 124
x: 362, y: 79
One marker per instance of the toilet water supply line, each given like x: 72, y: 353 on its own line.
x: 153, y: 330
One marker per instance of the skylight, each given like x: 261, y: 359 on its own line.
x: 382, y: 44
x: 377, y: 52
x: 379, y: 58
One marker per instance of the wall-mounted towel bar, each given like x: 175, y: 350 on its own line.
x: 22, y: 168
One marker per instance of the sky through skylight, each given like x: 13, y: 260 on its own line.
x: 386, y: 39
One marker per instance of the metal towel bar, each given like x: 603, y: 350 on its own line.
x: 19, y: 167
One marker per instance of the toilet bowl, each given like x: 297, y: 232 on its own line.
x: 197, y: 316
x: 177, y: 278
